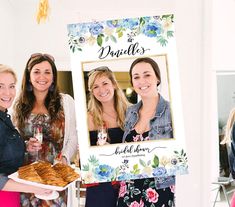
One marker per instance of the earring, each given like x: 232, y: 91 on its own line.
x: 52, y: 87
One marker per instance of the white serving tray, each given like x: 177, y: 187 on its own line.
x: 14, y: 176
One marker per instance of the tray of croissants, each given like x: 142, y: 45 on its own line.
x: 42, y: 174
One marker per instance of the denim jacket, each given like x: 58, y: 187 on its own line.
x: 160, y: 128
x: 160, y: 124
x: 12, y: 148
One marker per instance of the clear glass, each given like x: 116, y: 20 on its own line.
x: 37, y: 133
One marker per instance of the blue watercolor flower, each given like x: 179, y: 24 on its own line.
x: 143, y: 175
x: 152, y: 29
x: 96, y: 28
x: 103, y: 172
x: 73, y: 29
x: 125, y: 176
x: 77, y: 29
x: 159, y: 171
x: 183, y: 169
x: 172, y: 171
x: 130, y: 23
x: 113, y: 23
x: 83, y: 28
x: 178, y: 169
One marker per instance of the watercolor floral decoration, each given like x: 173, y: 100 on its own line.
x: 157, y: 167
x: 159, y: 28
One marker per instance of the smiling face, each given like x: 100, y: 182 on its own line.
x: 144, y: 79
x: 41, y: 76
x: 7, y: 90
x: 103, y: 89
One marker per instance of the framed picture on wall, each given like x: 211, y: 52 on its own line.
x: 115, y: 44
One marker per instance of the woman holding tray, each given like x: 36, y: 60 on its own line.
x: 106, y: 113
x: 40, y: 106
x: 150, y: 119
x: 12, y: 146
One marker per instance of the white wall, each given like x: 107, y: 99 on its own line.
x: 7, y: 33
x: 223, y: 35
x: 192, y: 190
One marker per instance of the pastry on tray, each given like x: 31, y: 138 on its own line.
x: 43, y: 172
x: 66, y: 172
x: 28, y: 172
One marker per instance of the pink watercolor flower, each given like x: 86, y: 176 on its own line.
x: 172, y: 187
x: 136, y: 204
x: 122, y: 190
x: 152, y: 195
x: 137, y: 138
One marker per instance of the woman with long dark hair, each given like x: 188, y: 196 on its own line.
x: 41, y: 105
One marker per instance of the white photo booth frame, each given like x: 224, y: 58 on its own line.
x: 116, y: 43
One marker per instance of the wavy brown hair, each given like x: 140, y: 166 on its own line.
x: 120, y: 101
x: 25, y: 103
x: 149, y: 61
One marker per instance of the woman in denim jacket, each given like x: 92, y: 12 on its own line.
x: 150, y: 119
x: 12, y: 146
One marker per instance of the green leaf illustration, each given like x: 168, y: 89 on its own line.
x: 86, y: 167
x: 170, y: 34
x: 135, y: 170
x: 142, y: 22
x: 99, y: 40
x: 93, y: 160
x: 142, y: 163
x: 162, y: 41
x: 113, y: 38
x: 166, y: 16
x: 119, y: 29
x: 107, y: 39
x: 155, y: 161
x: 120, y: 34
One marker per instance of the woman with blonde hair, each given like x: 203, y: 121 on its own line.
x: 96, y: 108
x: 106, y: 110
x: 12, y: 146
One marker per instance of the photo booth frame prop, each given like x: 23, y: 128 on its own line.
x: 116, y: 43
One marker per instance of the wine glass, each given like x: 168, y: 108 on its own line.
x: 37, y: 133
x: 102, y: 136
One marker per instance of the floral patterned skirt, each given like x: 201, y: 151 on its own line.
x: 143, y: 193
x: 29, y: 200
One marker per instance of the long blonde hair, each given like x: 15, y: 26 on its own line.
x: 7, y: 69
x: 229, y: 127
x: 95, y: 107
